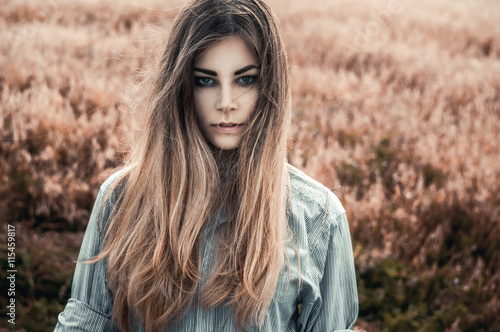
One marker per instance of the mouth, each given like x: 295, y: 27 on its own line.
x: 228, y: 127
x: 227, y: 124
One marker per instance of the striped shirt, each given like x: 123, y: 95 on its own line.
x: 328, y: 294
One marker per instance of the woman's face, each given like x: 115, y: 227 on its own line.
x: 225, y: 91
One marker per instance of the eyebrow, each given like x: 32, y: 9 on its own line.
x: 238, y: 72
x: 245, y: 69
x: 206, y: 71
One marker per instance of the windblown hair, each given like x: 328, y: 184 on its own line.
x: 175, y: 184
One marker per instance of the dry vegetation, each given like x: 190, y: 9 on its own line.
x: 396, y: 108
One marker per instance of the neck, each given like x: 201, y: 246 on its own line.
x: 227, y: 161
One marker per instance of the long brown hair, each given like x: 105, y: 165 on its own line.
x: 176, y: 183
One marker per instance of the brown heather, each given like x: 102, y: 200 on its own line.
x: 398, y: 113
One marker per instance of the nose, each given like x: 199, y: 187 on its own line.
x: 227, y: 100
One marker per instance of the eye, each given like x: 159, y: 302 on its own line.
x: 203, y: 81
x: 247, y: 80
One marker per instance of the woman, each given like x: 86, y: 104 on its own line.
x: 207, y: 228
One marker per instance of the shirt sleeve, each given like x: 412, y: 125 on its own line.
x: 91, y: 304
x: 336, y: 309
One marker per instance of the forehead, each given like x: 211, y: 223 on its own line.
x: 229, y: 54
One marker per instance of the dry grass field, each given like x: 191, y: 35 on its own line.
x: 396, y: 109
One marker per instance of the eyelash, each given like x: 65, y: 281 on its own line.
x: 198, y: 81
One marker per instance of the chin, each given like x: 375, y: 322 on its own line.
x: 225, y: 145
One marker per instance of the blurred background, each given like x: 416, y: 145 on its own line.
x: 396, y: 107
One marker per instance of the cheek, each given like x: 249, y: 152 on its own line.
x: 251, y: 99
x: 200, y: 104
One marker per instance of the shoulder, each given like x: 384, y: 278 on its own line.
x: 115, y: 182
x: 312, y: 194
x: 112, y: 179
x: 313, y: 208
x: 109, y: 192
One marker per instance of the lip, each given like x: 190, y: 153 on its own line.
x: 228, y: 130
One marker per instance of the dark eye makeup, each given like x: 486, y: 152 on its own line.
x: 204, y: 81
x: 247, y: 80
